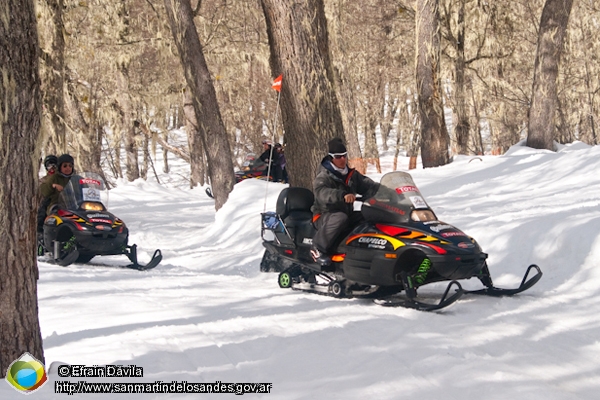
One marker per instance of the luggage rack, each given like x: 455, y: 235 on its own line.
x: 271, y: 221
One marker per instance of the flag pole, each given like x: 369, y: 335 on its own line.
x: 277, y: 86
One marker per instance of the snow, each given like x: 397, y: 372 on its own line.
x: 206, y: 314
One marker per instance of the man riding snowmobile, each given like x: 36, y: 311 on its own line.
x: 335, y: 188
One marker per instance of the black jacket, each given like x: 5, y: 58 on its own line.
x: 330, y: 187
x: 266, y: 156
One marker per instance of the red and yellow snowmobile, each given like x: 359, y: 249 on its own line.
x: 80, y: 228
x: 400, y: 247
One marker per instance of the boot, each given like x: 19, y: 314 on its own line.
x: 319, y: 257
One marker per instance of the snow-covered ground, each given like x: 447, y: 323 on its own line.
x: 206, y: 314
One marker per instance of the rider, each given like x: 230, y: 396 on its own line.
x: 281, y: 171
x: 335, y: 188
x: 270, y: 157
x: 55, y: 183
x: 50, y: 164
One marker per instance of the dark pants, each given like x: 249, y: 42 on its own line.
x: 276, y: 173
x: 331, y: 227
x: 41, y: 214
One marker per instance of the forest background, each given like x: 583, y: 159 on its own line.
x: 110, y: 79
x: 113, y: 80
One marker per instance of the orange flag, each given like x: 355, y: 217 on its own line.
x: 277, y: 83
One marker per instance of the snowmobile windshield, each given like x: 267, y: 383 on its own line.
x: 84, y: 192
x: 397, y: 200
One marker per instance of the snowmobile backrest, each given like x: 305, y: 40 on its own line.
x: 295, y: 202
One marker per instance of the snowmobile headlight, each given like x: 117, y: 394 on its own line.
x: 92, y: 206
x: 422, y: 215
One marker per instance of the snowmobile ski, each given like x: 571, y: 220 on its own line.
x: 491, y: 290
x: 132, y: 255
x: 411, y: 302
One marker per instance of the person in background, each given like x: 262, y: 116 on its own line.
x: 335, y: 188
x: 55, y: 183
x: 50, y: 163
x: 283, y: 177
x: 270, y: 157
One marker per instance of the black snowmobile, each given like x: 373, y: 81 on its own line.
x: 79, y: 227
x: 401, y: 247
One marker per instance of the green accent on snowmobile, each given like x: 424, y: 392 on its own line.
x: 423, y: 270
x: 285, y: 280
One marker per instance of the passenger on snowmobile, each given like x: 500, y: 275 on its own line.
x: 50, y: 163
x: 52, y: 187
x: 335, y: 188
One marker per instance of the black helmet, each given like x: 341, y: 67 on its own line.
x: 50, y: 160
x: 65, y: 158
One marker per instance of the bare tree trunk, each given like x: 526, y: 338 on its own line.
x: 388, y: 117
x: 477, y: 136
x: 553, y: 25
x: 127, y: 125
x: 590, y: 98
x: 197, y: 161
x: 20, y: 113
x: 145, y: 158
x: 54, y: 81
x: 299, y: 48
x: 88, y: 145
x: 255, y: 127
x: 371, y: 150
x: 434, y: 136
x: 131, y: 150
x: 165, y: 152
x: 463, y: 127
x: 210, y: 124
x: 343, y: 82
x: 117, y: 139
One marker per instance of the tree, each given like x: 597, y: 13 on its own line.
x: 20, y: 114
x: 337, y: 11
x: 210, y: 124
x: 299, y: 50
x: 54, y: 77
x: 434, y: 136
x: 544, y: 101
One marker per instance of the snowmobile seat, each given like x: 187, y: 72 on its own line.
x: 293, y: 206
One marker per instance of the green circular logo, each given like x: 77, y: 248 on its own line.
x: 26, y: 374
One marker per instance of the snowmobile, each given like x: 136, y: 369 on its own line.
x: 400, y: 247
x: 252, y: 167
x: 80, y: 228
